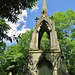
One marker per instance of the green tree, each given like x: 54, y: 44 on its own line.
x: 45, y: 42
x: 11, y: 8
x: 72, y: 35
x: 71, y: 64
x: 65, y: 27
x: 16, y: 55
x: 3, y: 27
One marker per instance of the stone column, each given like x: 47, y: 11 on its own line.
x: 55, y: 71
x: 34, y: 41
x: 37, y: 37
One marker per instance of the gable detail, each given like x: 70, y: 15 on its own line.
x: 42, y: 62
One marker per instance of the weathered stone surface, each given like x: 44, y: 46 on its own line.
x: 45, y: 62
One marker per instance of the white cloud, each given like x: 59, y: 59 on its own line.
x: 34, y: 8
x: 23, y: 30
x: 22, y: 18
x: 6, y: 41
x: 23, y: 26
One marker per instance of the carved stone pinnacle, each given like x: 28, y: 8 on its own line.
x: 36, y: 19
x: 51, y: 17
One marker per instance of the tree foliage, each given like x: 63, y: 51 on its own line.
x: 65, y: 27
x: 16, y: 56
x: 3, y: 27
x: 45, y: 42
x: 11, y: 8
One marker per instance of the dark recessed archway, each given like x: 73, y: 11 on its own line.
x: 43, y: 28
x: 44, y: 66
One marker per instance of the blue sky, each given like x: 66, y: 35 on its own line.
x: 27, y: 18
x: 52, y: 6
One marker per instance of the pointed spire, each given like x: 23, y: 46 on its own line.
x: 44, y: 5
x: 44, y: 13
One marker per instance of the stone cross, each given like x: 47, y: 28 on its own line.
x: 51, y: 17
x: 36, y: 19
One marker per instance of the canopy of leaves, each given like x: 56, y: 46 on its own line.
x: 65, y: 27
x: 3, y: 27
x: 16, y: 55
x: 45, y: 42
x: 11, y: 8
x: 65, y: 22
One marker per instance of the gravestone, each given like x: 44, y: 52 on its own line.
x: 43, y: 62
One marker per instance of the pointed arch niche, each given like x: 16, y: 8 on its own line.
x: 44, y: 30
x: 44, y: 66
x: 45, y: 42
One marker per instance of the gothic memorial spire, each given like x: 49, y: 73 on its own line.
x: 40, y: 61
x: 44, y: 13
x: 44, y: 5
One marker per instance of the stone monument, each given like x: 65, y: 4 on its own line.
x: 45, y: 62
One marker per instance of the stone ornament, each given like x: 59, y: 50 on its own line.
x: 45, y: 62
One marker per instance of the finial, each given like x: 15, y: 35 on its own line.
x: 36, y: 19
x: 44, y: 5
x: 51, y: 17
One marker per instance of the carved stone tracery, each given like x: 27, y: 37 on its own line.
x: 40, y: 59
